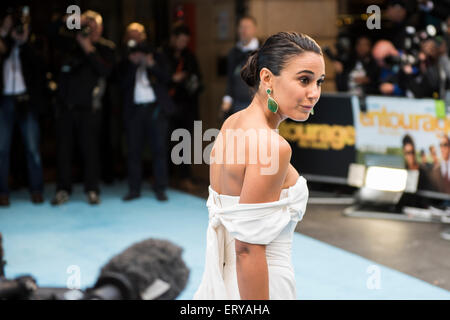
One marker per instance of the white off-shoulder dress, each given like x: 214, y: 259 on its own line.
x: 270, y: 223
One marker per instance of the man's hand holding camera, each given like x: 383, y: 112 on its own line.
x: 179, y: 76
x: 141, y: 58
x: 136, y: 57
x: 361, y: 80
x: 85, y: 41
x: 21, y: 38
x: 7, y: 28
x: 149, y: 60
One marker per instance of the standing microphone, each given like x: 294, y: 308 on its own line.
x: 148, y: 270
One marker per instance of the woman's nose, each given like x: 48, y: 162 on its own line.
x: 313, y: 93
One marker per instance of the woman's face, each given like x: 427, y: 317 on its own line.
x: 297, y: 88
x: 409, y: 154
x: 445, y: 148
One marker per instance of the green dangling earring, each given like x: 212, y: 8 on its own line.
x: 271, y: 103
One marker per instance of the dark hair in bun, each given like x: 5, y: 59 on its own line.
x: 249, y: 72
x: 274, y: 53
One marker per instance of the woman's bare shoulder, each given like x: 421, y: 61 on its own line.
x: 263, y: 181
x: 231, y: 120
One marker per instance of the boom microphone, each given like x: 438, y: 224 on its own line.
x: 18, y: 288
x: 149, y: 270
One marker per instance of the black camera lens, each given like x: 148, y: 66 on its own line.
x: 85, y: 31
x: 134, y: 46
x: 392, y: 60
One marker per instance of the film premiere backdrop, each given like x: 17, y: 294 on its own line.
x: 347, y: 130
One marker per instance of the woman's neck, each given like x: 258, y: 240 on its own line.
x: 259, y: 107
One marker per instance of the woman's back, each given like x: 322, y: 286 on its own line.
x: 244, y: 139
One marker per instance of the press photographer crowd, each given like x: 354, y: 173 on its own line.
x: 407, y: 57
x: 82, y: 84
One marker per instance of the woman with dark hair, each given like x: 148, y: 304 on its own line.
x: 409, y: 153
x: 256, y: 199
x: 411, y: 163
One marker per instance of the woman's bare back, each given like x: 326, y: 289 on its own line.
x: 227, y: 177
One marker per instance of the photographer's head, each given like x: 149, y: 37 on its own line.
x: 180, y: 37
x: 291, y: 66
x: 383, y: 49
x: 429, y: 50
x: 138, y: 48
x: 396, y: 11
x: 135, y: 31
x: 92, y: 25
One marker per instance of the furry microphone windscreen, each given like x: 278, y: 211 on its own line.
x: 149, y: 260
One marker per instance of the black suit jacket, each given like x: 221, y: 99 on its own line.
x: 80, y: 72
x: 158, y: 76
x: 33, y: 71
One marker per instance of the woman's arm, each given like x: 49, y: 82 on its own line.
x: 251, y: 263
x: 252, y: 272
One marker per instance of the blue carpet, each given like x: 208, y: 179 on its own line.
x: 44, y: 241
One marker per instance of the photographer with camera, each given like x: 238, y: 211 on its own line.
x: 389, y: 60
x: 144, y: 79
x: 417, y: 74
x: 432, y: 75
x: 22, y: 78
x: 359, y: 74
x: 184, y: 88
x: 81, y: 84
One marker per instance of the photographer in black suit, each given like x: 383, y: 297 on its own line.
x: 143, y: 76
x: 184, y: 88
x: 86, y: 61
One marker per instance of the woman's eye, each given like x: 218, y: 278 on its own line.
x: 319, y: 82
x: 304, y: 80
